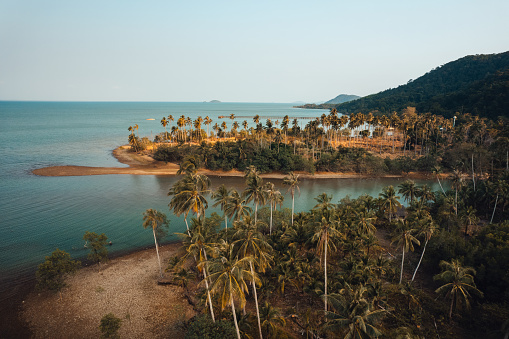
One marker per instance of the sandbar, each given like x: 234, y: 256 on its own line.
x: 144, y: 164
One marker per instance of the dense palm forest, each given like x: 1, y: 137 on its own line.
x: 476, y: 84
x: 398, y: 143
x: 354, y: 268
x: 364, y: 267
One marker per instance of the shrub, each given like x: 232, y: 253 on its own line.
x: 109, y: 326
x: 51, y: 273
x: 202, y: 327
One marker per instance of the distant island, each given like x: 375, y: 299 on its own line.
x: 214, y: 101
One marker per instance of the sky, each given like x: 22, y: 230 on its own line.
x: 234, y: 51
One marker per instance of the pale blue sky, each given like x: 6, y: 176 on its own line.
x: 244, y: 51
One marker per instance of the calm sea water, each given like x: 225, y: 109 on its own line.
x: 39, y: 214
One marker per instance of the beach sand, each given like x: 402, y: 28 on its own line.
x: 142, y: 164
x: 125, y: 286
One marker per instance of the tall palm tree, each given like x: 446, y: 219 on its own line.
x: 255, y: 192
x: 326, y: 233
x: 221, y: 196
x: 272, y: 196
x: 408, y: 189
x: 156, y: 220
x: 459, y: 283
x: 437, y: 171
x: 389, y: 201
x: 253, y: 244
x: 404, y: 238
x: 499, y: 188
x: 292, y: 181
x: 236, y: 208
x: 164, y: 122
x: 469, y: 218
x: 427, y: 230
x: 228, y: 276
x: 189, y: 196
x: 456, y: 183
x: 197, y: 243
x: 207, y: 121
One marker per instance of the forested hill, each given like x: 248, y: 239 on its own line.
x: 342, y: 98
x: 475, y: 84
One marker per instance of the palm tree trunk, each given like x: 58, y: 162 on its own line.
x: 402, y: 261
x: 207, y: 287
x: 234, y: 316
x: 157, y: 251
x: 256, y: 301
x: 422, y: 255
x: 473, y: 173
x: 440, y: 184
x: 187, y: 226
x: 494, y: 208
x: 256, y: 211
x: 225, y: 221
x: 325, y: 270
x: 293, y: 206
x: 270, y: 230
x: 450, y: 310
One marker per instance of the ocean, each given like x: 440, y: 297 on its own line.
x: 40, y: 214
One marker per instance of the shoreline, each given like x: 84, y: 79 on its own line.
x: 18, y: 292
x: 140, y: 164
x: 126, y: 285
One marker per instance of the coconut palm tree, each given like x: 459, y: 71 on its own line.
x: 499, y: 188
x: 326, y: 232
x: 408, y: 189
x: 253, y: 244
x: 156, y: 220
x: 273, y: 197
x: 197, y: 243
x: 271, y: 319
x: 404, y: 238
x: 456, y: 183
x: 353, y: 314
x: 459, y: 284
x: 164, y: 122
x: 255, y: 192
x: 228, y: 274
x: 236, y: 208
x: 427, y: 230
x: 292, y: 181
x: 389, y: 201
x: 189, y: 196
x: 469, y: 218
x: 221, y: 197
x: 437, y: 171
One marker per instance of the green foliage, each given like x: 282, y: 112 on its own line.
x: 476, y: 84
x: 169, y: 153
x: 109, y: 326
x: 51, y: 273
x: 202, y: 327
x: 97, y: 244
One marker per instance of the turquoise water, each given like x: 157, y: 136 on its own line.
x: 40, y: 214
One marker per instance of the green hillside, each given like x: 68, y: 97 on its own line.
x: 475, y: 84
x: 342, y: 98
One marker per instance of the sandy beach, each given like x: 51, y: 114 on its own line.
x: 142, y: 164
x: 126, y: 286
